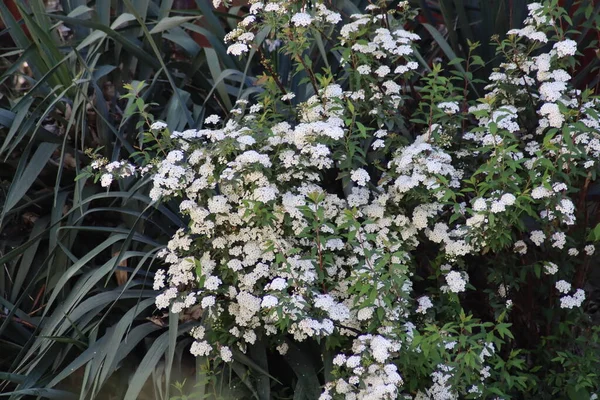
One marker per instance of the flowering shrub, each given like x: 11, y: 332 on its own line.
x: 437, y: 246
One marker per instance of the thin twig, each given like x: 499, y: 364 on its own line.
x: 20, y: 321
x: 273, y: 74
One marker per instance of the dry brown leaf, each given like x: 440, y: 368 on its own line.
x: 121, y: 276
x: 29, y: 218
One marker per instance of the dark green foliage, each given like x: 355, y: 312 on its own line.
x: 77, y: 261
x: 451, y: 25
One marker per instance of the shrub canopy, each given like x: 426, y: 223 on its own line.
x: 442, y: 262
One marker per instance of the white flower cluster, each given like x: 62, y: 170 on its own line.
x: 254, y: 267
x: 441, y: 389
x: 533, y: 23
x: 292, y: 235
x: 420, y: 165
x: 370, y: 374
x: 287, y: 14
x: 571, y: 301
x: 115, y: 169
x: 456, y: 282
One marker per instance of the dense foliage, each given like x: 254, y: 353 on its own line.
x: 75, y: 258
x: 444, y: 262
x: 78, y: 261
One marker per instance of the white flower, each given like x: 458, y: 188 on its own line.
x: 552, y: 112
x: 339, y: 360
x: 250, y: 337
x: 174, y: 156
x: 265, y: 194
x: 106, y: 180
x: 158, y: 125
x: 282, y: 348
x: 212, y: 283
x: 559, y: 240
x: 212, y: 119
x: 550, y: 268
x: 450, y: 345
x: 540, y: 192
x: 353, y: 362
x: 288, y: 96
x: 391, y: 88
x: 360, y: 176
x: 364, y: 69
x: 269, y: 301
x: 301, y: 19
x: 508, y: 199
x: 382, y: 71
x: 552, y: 91
x: 530, y: 33
x: 256, y: 7
x: 563, y: 286
x: 273, y: 7
x: 380, y: 347
x: 497, y: 206
x: 449, y: 107
x: 365, y: 313
x: 455, y: 282
x: 567, y: 47
x: 249, y: 20
x: 520, y: 247
x: 378, y: 144
x: 424, y: 304
x: 537, y: 237
x: 159, y: 279
x: 208, y: 302
x: 573, y: 301
x: 198, y: 332
x: 479, y: 205
x: 278, y: 284
x: 589, y: 249
x: 226, y: 354
x: 200, y: 348
x: 237, y: 49
x: 246, y: 140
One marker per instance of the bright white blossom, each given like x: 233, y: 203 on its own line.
x: 455, y: 282
x: 301, y: 19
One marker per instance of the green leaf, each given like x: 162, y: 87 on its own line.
x: 158, y: 55
x: 304, y: 370
x: 575, y: 394
x: 173, y: 326
x: 214, y: 67
x: 437, y: 36
x: 79, y: 10
x: 170, y: 22
x: 594, y: 234
x: 26, y: 175
x: 130, y: 46
x: 122, y: 20
x: 45, y: 393
x: 149, y: 362
x: 258, y: 352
